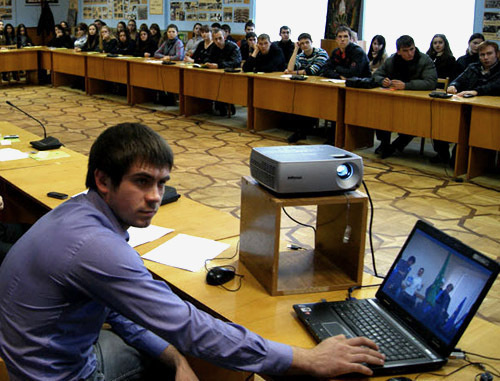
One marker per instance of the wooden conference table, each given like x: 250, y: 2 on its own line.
x: 357, y: 112
x: 252, y: 306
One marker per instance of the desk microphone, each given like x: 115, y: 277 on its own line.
x: 48, y: 142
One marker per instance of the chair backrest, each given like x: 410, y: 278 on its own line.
x: 444, y: 81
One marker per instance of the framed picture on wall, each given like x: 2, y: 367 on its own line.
x: 36, y: 2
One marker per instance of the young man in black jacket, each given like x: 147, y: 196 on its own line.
x: 266, y: 57
x: 348, y: 60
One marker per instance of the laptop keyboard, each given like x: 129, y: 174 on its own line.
x: 369, y: 323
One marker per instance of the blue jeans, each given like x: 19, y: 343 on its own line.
x: 118, y: 361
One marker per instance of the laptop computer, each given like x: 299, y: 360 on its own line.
x: 428, y: 298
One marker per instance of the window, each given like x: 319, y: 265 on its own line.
x: 420, y: 19
x: 300, y: 16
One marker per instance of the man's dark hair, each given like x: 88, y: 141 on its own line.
x: 344, y: 28
x: 304, y: 35
x: 249, y: 23
x: 412, y: 258
x: 216, y: 25
x: 216, y: 30
x: 205, y: 28
x: 121, y: 146
x: 226, y: 28
x: 404, y: 41
x: 476, y: 35
x: 284, y: 27
x: 263, y: 36
x: 250, y: 34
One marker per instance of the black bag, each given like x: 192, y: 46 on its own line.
x: 361, y: 83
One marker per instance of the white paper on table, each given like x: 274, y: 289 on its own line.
x: 138, y: 236
x: 5, y: 142
x: 332, y: 80
x: 186, y: 252
x: 154, y: 61
x: 7, y: 154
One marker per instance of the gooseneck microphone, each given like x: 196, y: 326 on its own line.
x: 48, y: 142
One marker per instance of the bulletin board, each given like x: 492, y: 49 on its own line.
x: 491, y: 20
x: 5, y: 9
x: 115, y: 9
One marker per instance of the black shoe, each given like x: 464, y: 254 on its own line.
x: 441, y: 157
x: 387, y: 151
x: 381, y: 148
x: 296, y: 136
x: 233, y: 110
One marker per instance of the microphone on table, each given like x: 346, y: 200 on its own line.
x: 48, y: 142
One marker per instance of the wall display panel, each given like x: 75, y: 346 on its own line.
x: 5, y: 9
x: 115, y: 9
x: 491, y: 20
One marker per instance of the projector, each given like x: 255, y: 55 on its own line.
x: 306, y: 169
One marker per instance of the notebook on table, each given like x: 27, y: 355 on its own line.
x: 422, y: 307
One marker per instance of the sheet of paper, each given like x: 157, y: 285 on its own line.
x: 333, y: 80
x: 7, y: 154
x: 5, y: 142
x: 154, y: 61
x: 49, y: 155
x: 138, y: 236
x: 186, y: 252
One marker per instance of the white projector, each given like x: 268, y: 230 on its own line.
x: 306, y: 169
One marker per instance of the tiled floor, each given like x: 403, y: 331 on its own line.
x: 212, y: 153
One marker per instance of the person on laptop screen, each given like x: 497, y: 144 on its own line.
x: 74, y: 270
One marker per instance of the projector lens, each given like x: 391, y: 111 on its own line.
x: 344, y: 171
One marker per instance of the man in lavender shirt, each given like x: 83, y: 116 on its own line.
x: 73, y: 271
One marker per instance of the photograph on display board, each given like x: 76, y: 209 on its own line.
x: 142, y: 12
x: 215, y: 17
x: 5, y: 13
x: 210, y: 5
x: 191, y: 17
x: 492, y: 3
x: 228, y: 14
x: 241, y: 15
x: 35, y: 2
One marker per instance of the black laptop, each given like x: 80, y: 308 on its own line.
x: 422, y: 308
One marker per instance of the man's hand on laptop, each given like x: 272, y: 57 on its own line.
x: 335, y: 356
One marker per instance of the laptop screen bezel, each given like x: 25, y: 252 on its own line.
x: 440, y: 346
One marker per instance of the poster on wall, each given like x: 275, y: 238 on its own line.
x: 155, y: 7
x: 36, y: 2
x: 492, y: 3
x: 241, y: 15
x: 228, y: 14
x: 491, y: 25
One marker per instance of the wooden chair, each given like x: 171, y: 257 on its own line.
x: 445, y: 82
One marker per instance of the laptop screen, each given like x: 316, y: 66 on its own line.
x: 439, y: 282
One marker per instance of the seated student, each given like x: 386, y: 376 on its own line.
x: 224, y: 54
x: 145, y: 45
x: 155, y: 31
x: 126, y: 46
x: 194, y: 41
x: 22, y: 37
x: 407, y: 69
x: 266, y: 57
x: 107, y: 42
x: 249, y: 47
x: 446, y: 67
x: 92, y: 44
x: 226, y: 29
x: 172, y: 49
x: 67, y: 29
x: 348, y: 60
x: 249, y: 27
x: 480, y: 78
x: 285, y: 44
x: 471, y: 55
x: 10, y: 35
x: 310, y: 61
x: 202, y: 52
x: 55, y: 297
x: 3, y: 38
x: 99, y: 23
x: 376, y: 53
x: 61, y: 39
x: 132, y: 29
x: 120, y: 26
x: 82, y: 31
x: 215, y: 25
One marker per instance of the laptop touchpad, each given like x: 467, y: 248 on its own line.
x: 334, y: 329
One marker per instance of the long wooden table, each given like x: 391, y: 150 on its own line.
x: 251, y: 306
x: 357, y: 112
